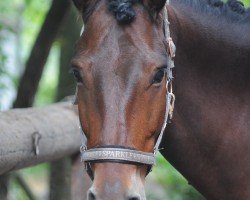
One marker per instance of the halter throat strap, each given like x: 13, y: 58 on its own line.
x: 170, y: 97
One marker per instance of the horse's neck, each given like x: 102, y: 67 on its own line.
x: 209, y: 138
x: 214, y: 48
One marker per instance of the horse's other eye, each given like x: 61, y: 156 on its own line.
x: 159, y: 76
x: 77, y: 75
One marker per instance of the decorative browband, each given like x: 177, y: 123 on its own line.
x: 117, y: 154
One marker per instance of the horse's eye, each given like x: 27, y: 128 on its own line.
x: 77, y: 75
x: 159, y: 76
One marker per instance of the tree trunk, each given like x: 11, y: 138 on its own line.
x: 19, y: 179
x: 70, y: 34
x: 4, y: 182
x: 80, y: 181
x: 39, y: 54
x: 35, y: 135
x: 60, y: 177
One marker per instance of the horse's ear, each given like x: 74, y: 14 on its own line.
x: 81, y: 5
x: 155, y: 5
x: 78, y: 4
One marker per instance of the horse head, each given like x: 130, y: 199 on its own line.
x: 120, y: 68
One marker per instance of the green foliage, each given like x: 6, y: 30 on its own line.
x: 48, y: 84
x: 17, y: 192
x: 2, y: 68
x: 38, y: 172
x: 246, y: 2
x: 4, y: 29
x: 36, y: 177
x: 20, y: 21
x: 175, y: 185
x: 33, y: 17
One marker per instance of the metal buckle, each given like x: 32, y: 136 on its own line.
x: 171, y: 101
x: 171, y: 106
x: 83, y: 148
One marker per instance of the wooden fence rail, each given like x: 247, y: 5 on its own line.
x: 35, y: 135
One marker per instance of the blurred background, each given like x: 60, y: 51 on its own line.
x: 41, y: 34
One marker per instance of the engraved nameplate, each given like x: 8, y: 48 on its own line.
x: 101, y: 154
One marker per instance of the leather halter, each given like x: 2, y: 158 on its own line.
x: 127, y: 155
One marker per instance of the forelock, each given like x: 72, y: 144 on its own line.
x: 123, y: 10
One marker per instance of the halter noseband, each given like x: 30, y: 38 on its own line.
x: 118, y: 154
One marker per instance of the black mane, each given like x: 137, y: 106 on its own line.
x: 232, y: 10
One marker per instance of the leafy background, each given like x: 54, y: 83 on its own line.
x: 20, y: 21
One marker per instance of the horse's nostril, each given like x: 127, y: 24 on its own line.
x: 134, y: 198
x: 91, y: 196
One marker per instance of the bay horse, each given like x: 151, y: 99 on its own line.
x: 119, y: 66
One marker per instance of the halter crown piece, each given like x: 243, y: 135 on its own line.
x: 125, y: 154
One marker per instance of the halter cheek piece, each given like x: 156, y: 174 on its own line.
x: 120, y: 154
